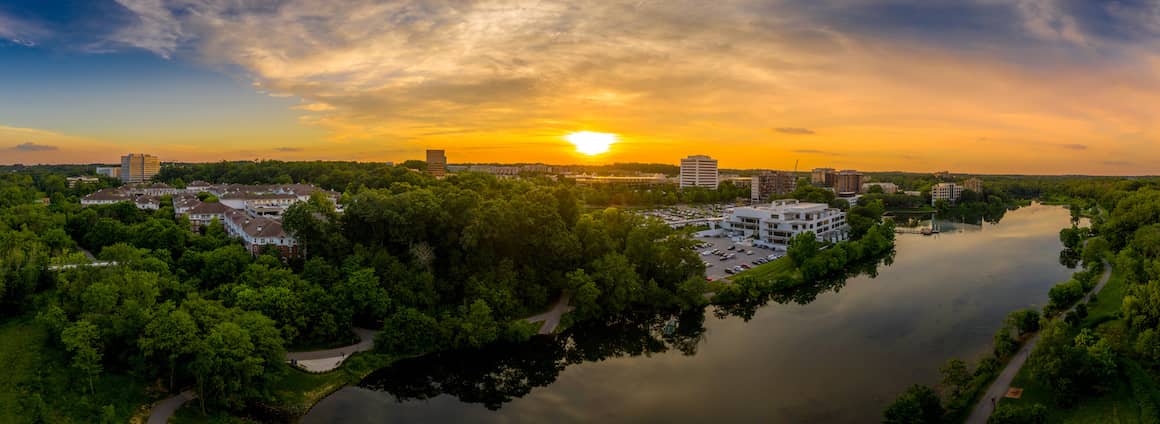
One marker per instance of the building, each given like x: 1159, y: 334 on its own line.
x: 848, y: 183
x: 73, y: 181
x: 499, y: 171
x: 776, y: 223
x: 436, y: 163
x: 631, y: 181
x: 259, y: 232
x: 106, y: 196
x: 766, y: 184
x: 699, y: 171
x: 945, y: 191
x: 204, y: 213
x: 974, y: 184
x: 109, y: 171
x: 139, y: 168
x: 888, y: 188
x: 823, y: 177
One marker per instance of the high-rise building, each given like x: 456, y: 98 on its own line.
x: 823, y: 177
x: 945, y: 191
x: 699, y: 171
x: 436, y: 163
x: 973, y: 184
x: 109, y: 171
x: 139, y: 167
x: 767, y: 184
x: 848, y: 182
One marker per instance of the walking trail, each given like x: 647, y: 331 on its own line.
x: 313, y: 361
x: 551, y: 318
x: 998, y: 389
x: 329, y: 359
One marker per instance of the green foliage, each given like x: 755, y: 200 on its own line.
x: 955, y: 375
x: 918, y: 404
x: 1011, y: 414
x: 82, y: 339
x: 1024, y: 321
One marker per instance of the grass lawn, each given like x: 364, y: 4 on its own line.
x: 1108, y: 301
x: 37, y: 385
x: 1118, y: 405
x: 780, y: 267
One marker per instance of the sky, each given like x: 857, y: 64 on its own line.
x: 978, y: 86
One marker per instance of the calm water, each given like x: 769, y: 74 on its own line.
x: 841, y: 357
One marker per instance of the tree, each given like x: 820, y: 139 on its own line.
x: 1008, y: 413
x: 82, y: 339
x: 1005, y: 345
x: 802, y: 247
x: 917, y: 405
x: 171, y: 334
x: 1024, y: 321
x: 956, y: 375
x: 408, y: 332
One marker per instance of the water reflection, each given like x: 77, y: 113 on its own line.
x: 837, y: 351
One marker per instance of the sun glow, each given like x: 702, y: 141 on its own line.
x: 591, y: 143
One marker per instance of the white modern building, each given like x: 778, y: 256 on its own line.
x: 945, y: 191
x: 699, y: 171
x: 776, y: 223
x: 109, y: 171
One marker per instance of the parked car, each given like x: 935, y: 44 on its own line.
x: 745, y: 266
x: 730, y: 271
x: 748, y: 252
x: 732, y: 248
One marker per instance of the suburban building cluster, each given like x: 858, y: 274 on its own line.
x: 952, y: 192
x: 252, y: 213
x: 135, y: 168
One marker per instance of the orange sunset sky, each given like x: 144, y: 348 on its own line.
x: 983, y: 86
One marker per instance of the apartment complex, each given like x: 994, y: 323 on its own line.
x: 767, y: 184
x: 974, y: 184
x: 436, y: 163
x: 109, y: 171
x: 823, y: 177
x: 776, y: 223
x: 950, y: 192
x: 699, y: 171
x: 74, y: 181
x: 848, y: 182
x: 139, y: 167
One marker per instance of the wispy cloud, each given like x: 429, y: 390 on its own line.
x: 33, y: 147
x: 288, y: 149
x: 794, y: 131
x: 1117, y: 163
x: 1074, y: 146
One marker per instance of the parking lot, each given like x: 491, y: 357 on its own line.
x: 715, y: 266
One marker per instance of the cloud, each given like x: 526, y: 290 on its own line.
x: 1074, y: 146
x: 794, y: 131
x: 288, y: 149
x: 1117, y: 163
x: 33, y: 147
x: 817, y: 152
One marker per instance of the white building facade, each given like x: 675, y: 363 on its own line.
x: 699, y: 171
x: 775, y: 224
x: 945, y: 191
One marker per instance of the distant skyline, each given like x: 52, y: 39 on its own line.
x: 972, y: 86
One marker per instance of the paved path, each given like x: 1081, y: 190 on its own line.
x: 551, y: 318
x: 999, y: 387
x: 314, y: 361
x: 329, y: 359
x: 165, y: 409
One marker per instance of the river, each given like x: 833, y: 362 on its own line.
x: 839, y: 354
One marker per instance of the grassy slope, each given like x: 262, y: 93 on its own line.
x: 770, y: 270
x: 32, y: 368
x: 1118, y: 405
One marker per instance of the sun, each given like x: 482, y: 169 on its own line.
x: 591, y: 143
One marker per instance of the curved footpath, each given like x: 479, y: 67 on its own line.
x: 999, y: 387
x: 313, y: 361
x: 330, y: 359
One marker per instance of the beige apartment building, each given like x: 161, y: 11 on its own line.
x: 436, y: 163
x: 139, y: 167
x: 699, y: 171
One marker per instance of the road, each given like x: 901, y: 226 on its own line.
x: 551, y: 318
x: 999, y: 387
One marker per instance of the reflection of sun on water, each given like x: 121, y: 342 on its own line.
x: 591, y: 143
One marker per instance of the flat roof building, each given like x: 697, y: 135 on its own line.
x: 823, y: 177
x: 974, y: 184
x: 767, y: 184
x: 776, y: 223
x: 699, y: 171
x: 139, y: 167
x: 945, y: 191
x: 848, y: 183
x: 436, y: 163
x: 109, y: 171
x: 888, y: 188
